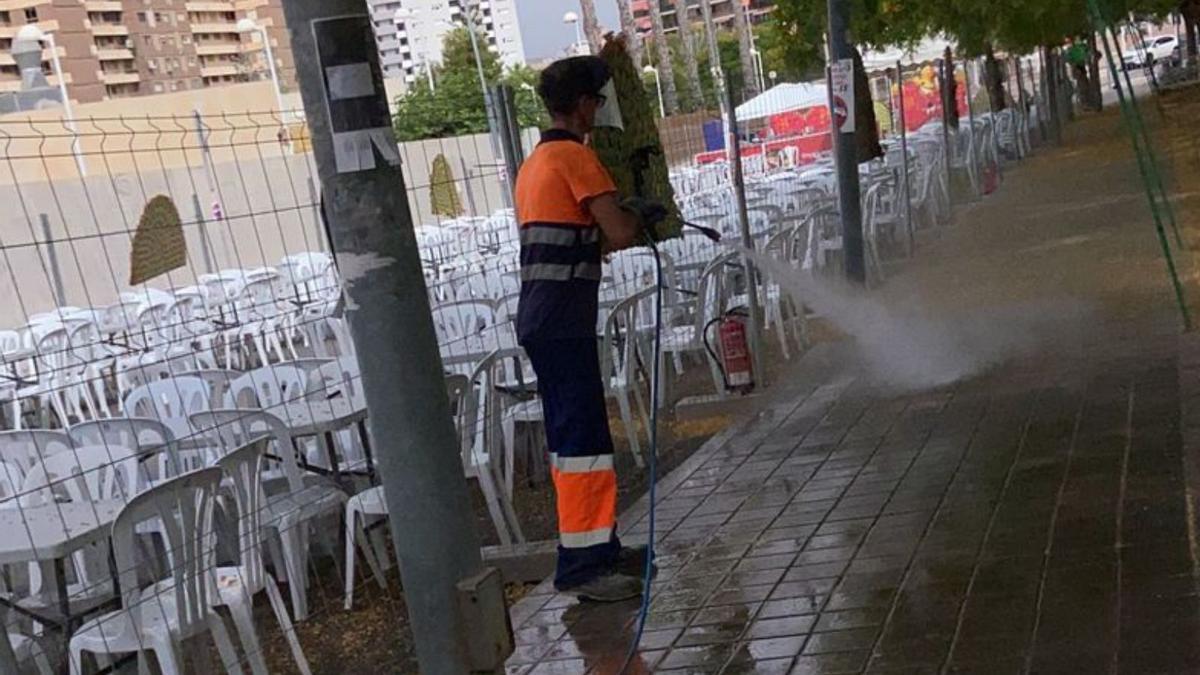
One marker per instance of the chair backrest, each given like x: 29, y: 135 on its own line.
x: 244, y: 468
x: 714, y: 290
x: 84, y: 474
x: 10, y: 341
x: 341, y: 376
x: 183, y: 508
x: 218, y: 381
x: 27, y: 448
x: 231, y: 428
x: 53, y: 347
x: 12, y: 476
x: 621, y: 347
x: 169, y: 401
x: 267, y: 387
x: 458, y: 320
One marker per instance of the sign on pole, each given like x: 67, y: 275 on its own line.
x: 842, y: 88
x: 358, y: 114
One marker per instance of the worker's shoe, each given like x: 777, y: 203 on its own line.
x: 612, y: 587
x: 632, y: 561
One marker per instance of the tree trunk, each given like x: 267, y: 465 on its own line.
x: 591, y: 25
x: 691, y: 66
x: 995, y: 79
x: 633, y: 40
x: 1050, y: 75
x: 666, y: 68
x: 1094, y: 73
x: 1190, y: 9
x: 949, y: 90
x: 745, y: 48
x: 714, y: 52
x: 866, y: 127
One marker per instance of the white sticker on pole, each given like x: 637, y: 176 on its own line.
x: 359, y: 118
x: 841, y: 77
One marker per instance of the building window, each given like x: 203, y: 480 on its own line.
x: 158, y: 87
x: 4, y: 19
x: 31, y: 14
x: 174, y: 86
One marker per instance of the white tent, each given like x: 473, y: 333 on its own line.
x: 783, y: 98
x: 929, y: 49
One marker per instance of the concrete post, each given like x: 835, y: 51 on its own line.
x: 846, y: 152
x: 387, y: 305
x: 205, y: 249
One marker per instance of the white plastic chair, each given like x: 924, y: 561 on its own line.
x: 170, y: 402
x: 268, y: 387
x: 25, y: 649
x: 218, y: 381
x: 288, y: 514
x: 28, y: 447
x: 620, y: 354
x: 239, y: 583
x: 157, y: 618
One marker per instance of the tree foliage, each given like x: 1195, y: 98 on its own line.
x: 454, y: 105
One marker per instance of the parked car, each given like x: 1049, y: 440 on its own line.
x: 1154, y: 49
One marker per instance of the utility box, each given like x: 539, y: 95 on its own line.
x: 489, y: 635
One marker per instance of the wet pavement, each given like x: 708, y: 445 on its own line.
x: 1036, y: 518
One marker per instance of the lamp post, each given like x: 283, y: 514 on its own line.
x: 248, y: 26
x: 773, y: 75
x: 573, y: 18
x: 32, y: 33
x: 662, y: 111
x: 758, y: 69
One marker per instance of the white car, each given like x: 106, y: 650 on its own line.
x: 1159, y: 48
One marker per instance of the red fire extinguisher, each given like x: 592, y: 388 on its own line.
x: 735, y: 354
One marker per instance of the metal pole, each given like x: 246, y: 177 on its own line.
x: 846, y: 151
x: 912, y: 244
x: 739, y: 191
x: 52, y: 259
x: 972, y: 151
x: 67, y: 108
x: 387, y: 306
x: 488, y: 104
x: 274, y: 72
x: 662, y: 109
x: 205, y: 251
x: 946, y: 170
x: 1180, y: 299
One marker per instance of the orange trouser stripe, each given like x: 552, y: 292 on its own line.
x: 587, y: 501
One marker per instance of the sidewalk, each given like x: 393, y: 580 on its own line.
x: 1033, y: 517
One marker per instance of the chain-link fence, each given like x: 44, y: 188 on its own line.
x: 184, y: 422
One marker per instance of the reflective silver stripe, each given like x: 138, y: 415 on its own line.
x: 556, y: 272
x: 581, y: 464
x: 559, y: 236
x: 585, y: 539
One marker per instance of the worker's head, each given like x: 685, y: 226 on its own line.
x: 571, y: 90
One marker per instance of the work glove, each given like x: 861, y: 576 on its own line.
x: 649, y: 212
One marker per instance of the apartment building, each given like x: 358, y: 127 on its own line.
x: 117, y: 48
x: 409, y: 33
x: 722, y: 11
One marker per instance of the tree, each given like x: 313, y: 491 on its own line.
x: 454, y: 106
x: 591, y: 25
x: 666, y: 69
x: 745, y: 49
x: 443, y: 193
x: 687, y: 50
x: 629, y: 28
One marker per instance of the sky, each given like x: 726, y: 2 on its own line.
x: 542, y: 27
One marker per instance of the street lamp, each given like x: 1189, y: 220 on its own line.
x: 404, y: 14
x: 662, y: 111
x: 247, y: 25
x: 772, y: 75
x: 32, y: 33
x: 573, y: 18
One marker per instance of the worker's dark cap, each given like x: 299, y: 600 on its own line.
x: 564, y: 82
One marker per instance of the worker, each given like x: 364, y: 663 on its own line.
x: 570, y: 216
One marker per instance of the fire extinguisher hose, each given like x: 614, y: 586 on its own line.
x: 735, y: 311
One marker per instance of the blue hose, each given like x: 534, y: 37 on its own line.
x: 648, y: 574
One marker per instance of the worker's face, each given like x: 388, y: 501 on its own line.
x: 585, y: 113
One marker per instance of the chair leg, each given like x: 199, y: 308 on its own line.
x: 168, y: 659
x: 630, y: 428
x: 75, y: 654
x: 229, y: 657
x: 499, y: 519
x: 293, y: 559
x: 289, y: 630
x: 351, y: 536
x: 243, y: 618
